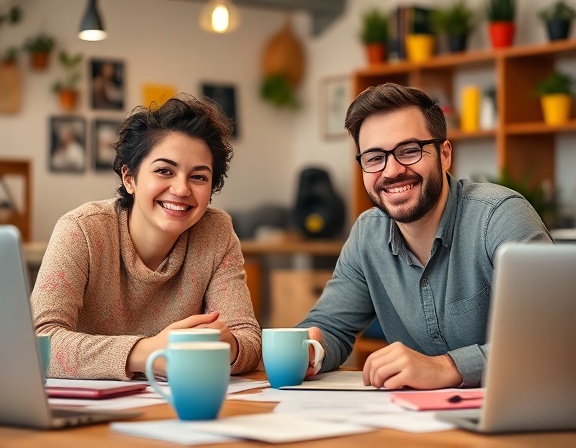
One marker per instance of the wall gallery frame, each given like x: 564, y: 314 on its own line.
x: 225, y: 97
x: 107, y: 84
x: 104, y: 137
x: 335, y: 97
x: 67, y: 149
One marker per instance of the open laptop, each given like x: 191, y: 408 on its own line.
x: 24, y: 401
x: 530, y: 377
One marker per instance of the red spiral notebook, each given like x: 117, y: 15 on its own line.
x: 91, y: 389
x: 439, y: 399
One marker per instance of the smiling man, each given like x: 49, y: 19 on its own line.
x: 421, y: 260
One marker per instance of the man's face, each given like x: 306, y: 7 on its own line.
x: 405, y: 193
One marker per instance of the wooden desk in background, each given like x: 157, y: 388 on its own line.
x: 98, y: 436
x: 255, y: 253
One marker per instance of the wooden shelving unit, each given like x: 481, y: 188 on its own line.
x: 524, y: 144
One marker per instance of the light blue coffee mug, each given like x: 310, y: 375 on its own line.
x: 198, y: 375
x: 193, y: 335
x: 285, y: 352
x: 43, y: 341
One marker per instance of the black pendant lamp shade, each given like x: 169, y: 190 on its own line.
x: 92, y: 27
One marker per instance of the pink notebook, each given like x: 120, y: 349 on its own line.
x: 439, y: 399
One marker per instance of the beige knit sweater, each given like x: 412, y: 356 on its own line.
x: 96, y: 297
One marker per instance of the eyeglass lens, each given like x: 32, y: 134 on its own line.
x: 406, y: 154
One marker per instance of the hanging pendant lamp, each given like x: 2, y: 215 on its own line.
x: 219, y: 16
x: 92, y: 27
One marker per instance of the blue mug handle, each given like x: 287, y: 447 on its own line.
x: 150, y: 374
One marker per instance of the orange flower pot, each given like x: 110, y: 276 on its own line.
x: 375, y: 53
x: 502, y: 34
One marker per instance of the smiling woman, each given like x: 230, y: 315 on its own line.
x: 119, y: 274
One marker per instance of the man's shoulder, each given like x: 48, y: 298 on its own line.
x: 484, y: 191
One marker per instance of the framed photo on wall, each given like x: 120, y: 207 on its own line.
x: 334, y: 101
x: 67, y: 149
x: 225, y: 97
x: 104, y: 137
x: 107, y: 87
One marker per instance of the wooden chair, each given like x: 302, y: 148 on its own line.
x: 17, y: 201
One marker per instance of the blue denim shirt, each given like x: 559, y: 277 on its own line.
x: 434, y: 309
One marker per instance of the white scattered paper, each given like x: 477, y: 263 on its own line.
x: 411, y: 421
x: 175, y: 431
x: 277, y: 428
x: 337, y: 380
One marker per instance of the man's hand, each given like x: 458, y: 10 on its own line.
x: 316, y: 334
x: 396, y: 366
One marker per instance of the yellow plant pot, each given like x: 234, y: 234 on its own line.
x: 420, y: 47
x: 556, y: 108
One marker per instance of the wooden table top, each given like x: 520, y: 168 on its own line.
x: 98, y: 436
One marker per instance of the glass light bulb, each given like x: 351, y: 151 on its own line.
x: 220, y: 19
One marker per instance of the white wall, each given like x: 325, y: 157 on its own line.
x: 160, y: 42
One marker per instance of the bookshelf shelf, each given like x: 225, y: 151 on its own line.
x: 524, y: 143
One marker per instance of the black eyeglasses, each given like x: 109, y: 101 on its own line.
x: 406, y: 153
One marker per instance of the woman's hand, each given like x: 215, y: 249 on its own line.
x: 137, y: 358
x: 225, y: 336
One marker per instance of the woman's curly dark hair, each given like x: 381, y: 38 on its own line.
x: 185, y: 114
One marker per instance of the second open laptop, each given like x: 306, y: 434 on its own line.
x: 24, y: 401
x: 530, y: 377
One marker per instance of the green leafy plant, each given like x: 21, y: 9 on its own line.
x: 454, y: 19
x: 374, y: 27
x: 558, y: 11
x: 13, y: 16
x: 71, y: 66
x: 277, y: 90
x: 41, y: 43
x: 501, y: 10
x: 540, y: 196
x: 556, y: 82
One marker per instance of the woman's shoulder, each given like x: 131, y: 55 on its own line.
x: 216, y: 216
x: 103, y: 209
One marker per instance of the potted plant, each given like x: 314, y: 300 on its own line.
x: 374, y: 35
x: 420, y: 40
x: 454, y: 22
x: 277, y: 89
x: 39, y: 47
x: 501, y: 26
x: 556, y: 92
x: 66, y: 88
x: 10, y: 56
x: 557, y: 18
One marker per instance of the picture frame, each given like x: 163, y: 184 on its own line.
x: 335, y: 97
x: 104, y: 137
x: 225, y: 96
x: 107, y: 84
x: 67, y: 148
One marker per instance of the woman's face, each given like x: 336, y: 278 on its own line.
x: 173, y: 187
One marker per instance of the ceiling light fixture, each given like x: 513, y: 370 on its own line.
x: 92, y: 27
x: 219, y: 16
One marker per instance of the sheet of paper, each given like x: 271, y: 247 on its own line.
x: 90, y: 384
x: 411, y: 421
x: 338, y: 380
x: 277, y: 428
x: 110, y: 404
x: 174, y: 431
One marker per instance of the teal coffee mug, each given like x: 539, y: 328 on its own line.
x: 193, y: 335
x: 285, y: 352
x: 198, y: 375
x: 43, y: 341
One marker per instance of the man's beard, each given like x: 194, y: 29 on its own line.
x: 430, y: 195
